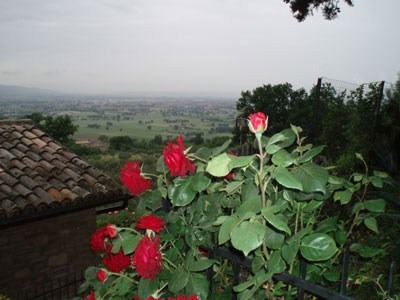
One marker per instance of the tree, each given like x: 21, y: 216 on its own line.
x: 60, y: 128
x: 121, y: 143
x: 274, y: 101
x: 301, y: 9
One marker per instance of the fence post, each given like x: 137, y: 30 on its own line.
x: 303, y: 274
x: 393, y: 270
x: 315, y: 121
x: 377, y: 110
x: 345, y: 270
x: 236, y: 277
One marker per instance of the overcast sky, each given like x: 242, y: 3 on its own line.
x: 207, y: 47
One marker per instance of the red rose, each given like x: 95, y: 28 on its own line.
x: 258, y: 122
x: 117, y: 262
x: 151, y: 222
x: 102, y: 275
x: 230, y: 175
x: 97, y: 242
x: 176, y: 160
x: 91, y: 297
x: 192, y: 297
x: 110, y: 230
x: 130, y: 176
x: 147, y: 257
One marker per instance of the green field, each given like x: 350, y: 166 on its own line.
x: 137, y: 126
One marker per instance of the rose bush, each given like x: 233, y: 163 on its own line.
x: 263, y: 205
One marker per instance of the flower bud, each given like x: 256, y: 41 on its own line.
x: 258, y: 123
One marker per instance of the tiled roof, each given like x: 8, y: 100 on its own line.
x: 37, y: 174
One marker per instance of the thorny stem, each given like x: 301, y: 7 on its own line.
x: 259, y: 174
x: 109, y: 292
x: 198, y: 158
x: 122, y: 275
x: 170, y: 262
x: 131, y: 229
x: 357, y: 213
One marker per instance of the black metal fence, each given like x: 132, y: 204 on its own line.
x: 304, y: 286
x: 64, y: 288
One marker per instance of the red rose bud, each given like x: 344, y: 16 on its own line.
x: 147, y: 257
x: 151, y: 222
x: 258, y: 123
x: 102, y: 275
x: 110, y: 230
x: 176, y: 160
x: 91, y: 297
x: 131, y: 178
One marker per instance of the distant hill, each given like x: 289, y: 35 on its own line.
x: 14, y: 92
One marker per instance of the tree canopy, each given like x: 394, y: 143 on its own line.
x: 301, y: 9
x: 59, y: 128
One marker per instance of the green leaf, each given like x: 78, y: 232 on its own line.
x: 240, y: 161
x: 246, y: 294
x: 204, y: 153
x: 311, y: 153
x: 313, y: 178
x: 248, y: 236
x: 249, y: 209
x: 343, y: 196
x: 282, y: 158
x: 276, y: 222
x: 181, y: 193
x: 219, y: 165
x: 377, y: 205
x: 327, y: 225
x: 371, y: 223
x: 249, y: 191
x: 124, y: 285
x: 312, y: 205
x: 147, y: 287
x: 200, y: 182
x: 130, y: 242
x: 275, y: 263
x: 91, y: 273
x: 271, y: 149
x: 381, y: 174
x: 153, y: 199
x: 179, y: 279
x: 218, y: 150
x: 257, y: 263
x: 287, y: 179
x: 226, y: 229
x: 201, y: 264
x: 341, y: 237
x: 274, y: 239
x: 290, y: 137
x: 232, y: 187
x: 197, y: 285
x: 317, y: 246
x: 331, y: 275
x: 289, y: 252
x: 367, y: 252
x: 161, y: 166
x: 377, y: 182
x: 244, y: 285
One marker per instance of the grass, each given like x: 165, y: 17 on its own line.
x: 140, y: 131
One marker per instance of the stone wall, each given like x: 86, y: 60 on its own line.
x: 35, y: 253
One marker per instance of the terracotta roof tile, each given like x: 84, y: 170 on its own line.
x: 8, y: 179
x: 36, y: 173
